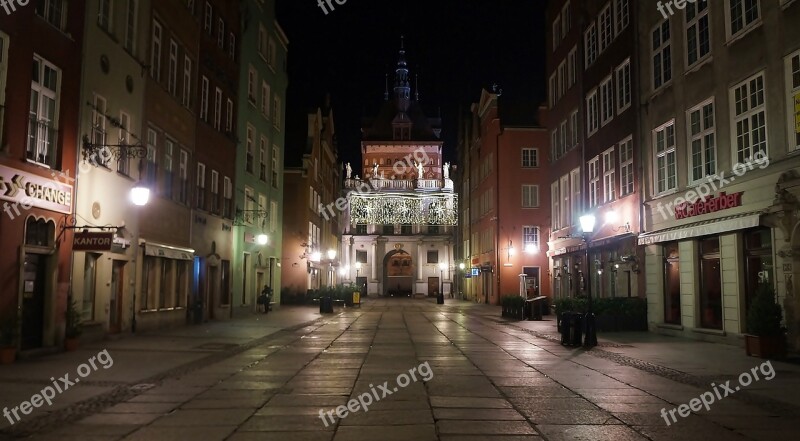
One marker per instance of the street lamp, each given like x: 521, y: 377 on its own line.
x: 140, y: 195
x: 358, y: 270
x: 442, y: 267
x: 587, y: 226
x: 262, y: 239
x: 331, y: 255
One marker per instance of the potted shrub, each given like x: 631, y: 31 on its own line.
x: 8, y: 338
x: 74, y: 327
x: 765, y: 337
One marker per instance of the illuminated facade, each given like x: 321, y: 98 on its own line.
x: 399, y: 218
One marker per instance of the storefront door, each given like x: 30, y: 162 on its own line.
x: 115, y: 302
x: 33, y: 292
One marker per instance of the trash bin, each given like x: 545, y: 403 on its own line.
x: 325, y: 305
x: 571, y: 328
x: 440, y: 299
x: 537, y: 304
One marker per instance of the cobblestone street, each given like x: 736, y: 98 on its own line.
x: 269, y: 377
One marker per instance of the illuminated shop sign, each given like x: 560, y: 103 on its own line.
x: 708, y: 205
x: 29, y: 190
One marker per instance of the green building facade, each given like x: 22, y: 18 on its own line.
x: 257, y: 231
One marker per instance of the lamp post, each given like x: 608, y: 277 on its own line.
x: 442, y: 267
x: 139, y: 196
x: 461, y: 281
x: 587, y: 226
x: 358, y: 270
x: 331, y: 256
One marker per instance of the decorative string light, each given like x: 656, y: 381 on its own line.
x: 414, y: 209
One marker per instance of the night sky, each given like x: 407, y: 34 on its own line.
x: 456, y: 46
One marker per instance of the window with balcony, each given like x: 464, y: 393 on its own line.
x: 43, y: 127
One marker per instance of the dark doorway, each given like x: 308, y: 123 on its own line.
x: 33, y: 291
x: 531, y: 281
x: 116, y: 300
x: 433, y: 286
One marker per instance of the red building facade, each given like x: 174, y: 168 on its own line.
x: 40, y: 62
x: 508, y: 204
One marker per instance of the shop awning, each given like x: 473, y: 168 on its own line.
x: 159, y: 250
x: 703, y: 228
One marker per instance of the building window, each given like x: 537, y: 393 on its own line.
x: 530, y: 196
x: 590, y: 44
x: 252, y: 75
x: 750, y: 118
x: 53, y: 11
x: 218, y: 108
x: 43, y: 127
x: 622, y: 15
x: 564, y: 214
x: 552, y: 91
x: 388, y: 230
x: 574, y: 130
x: 606, y: 101
x: 594, y: 181
x: 172, y: 74
x: 147, y: 172
x: 265, y: 99
x: 572, y: 67
x: 554, y: 205
x: 229, y: 116
x: 262, y: 41
x: 187, y: 82
x: 530, y: 239
x: 214, y: 192
x: 556, y: 32
x: 665, y: 166
x: 183, y: 174
x: 204, y: 89
x: 227, y: 195
x: 661, y: 55
x: 250, y: 149
x: 710, y: 283
x: 155, y: 52
x: 592, y: 113
x: 606, y: 27
x: 104, y: 15
x: 623, y: 86
x: 575, y: 185
x: 672, y: 284
x: 272, y: 54
x: 201, y: 186
x: 698, y: 34
x: 562, y: 137
x: 123, y: 162
x: 742, y: 14
x: 406, y: 229
x: 626, y: 167
x: 530, y: 157
x: 793, y: 99
x: 232, y: 46
x: 361, y: 256
x: 566, y: 20
x: 702, y: 141
x: 208, y: 19
x: 609, y: 175
x: 562, y: 79
x: 130, y: 26
x: 433, y: 256
x: 275, y: 166
x: 99, y: 131
x: 221, y: 33
x: 169, y: 147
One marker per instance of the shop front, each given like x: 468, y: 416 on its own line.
x: 35, y: 265
x: 705, y: 266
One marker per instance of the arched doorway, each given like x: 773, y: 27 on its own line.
x: 398, y: 274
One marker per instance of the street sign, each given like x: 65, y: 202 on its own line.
x: 88, y: 241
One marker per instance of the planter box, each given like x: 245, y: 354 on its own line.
x: 765, y: 347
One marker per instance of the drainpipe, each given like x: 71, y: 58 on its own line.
x: 497, y: 204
